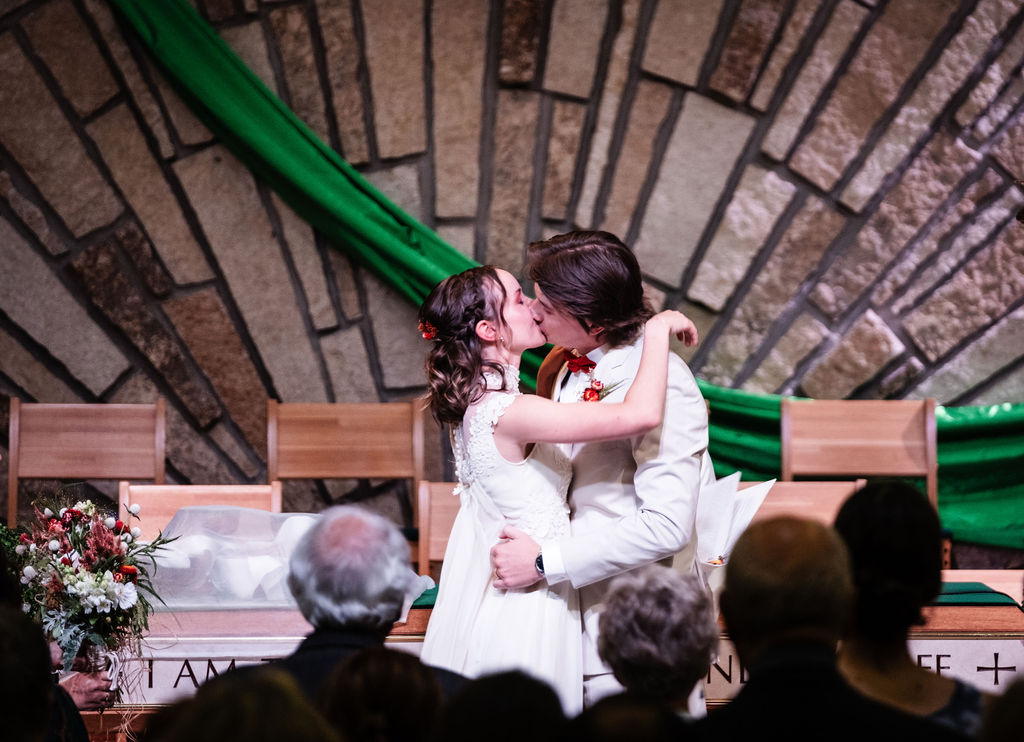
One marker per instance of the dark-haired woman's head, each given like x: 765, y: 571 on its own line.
x: 895, y: 542
x: 477, y: 319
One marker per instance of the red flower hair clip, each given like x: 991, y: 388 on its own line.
x: 428, y: 331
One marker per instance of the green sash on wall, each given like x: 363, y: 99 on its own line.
x: 981, y: 449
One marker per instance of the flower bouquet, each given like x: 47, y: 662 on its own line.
x: 85, y: 578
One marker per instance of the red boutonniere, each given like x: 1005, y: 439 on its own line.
x: 597, y: 390
x: 427, y: 330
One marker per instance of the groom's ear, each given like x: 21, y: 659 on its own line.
x: 486, y: 331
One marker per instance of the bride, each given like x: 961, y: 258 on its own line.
x: 510, y: 472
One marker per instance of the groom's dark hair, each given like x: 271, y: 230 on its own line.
x: 595, y: 278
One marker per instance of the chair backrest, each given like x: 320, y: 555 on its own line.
x: 159, y: 502
x: 438, y: 507
x: 345, y: 441
x: 90, y: 441
x: 818, y: 501
x: 860, y: 438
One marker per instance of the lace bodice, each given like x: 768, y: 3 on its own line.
x: 530, y: 494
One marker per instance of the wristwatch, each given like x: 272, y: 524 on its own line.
x: 539, y: 564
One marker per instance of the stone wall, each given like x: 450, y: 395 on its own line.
x: 826, y: 186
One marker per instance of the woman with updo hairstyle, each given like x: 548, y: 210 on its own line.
x: 510, y: 472
x: 894, y: 538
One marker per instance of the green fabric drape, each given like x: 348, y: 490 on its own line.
x: 981, y: 449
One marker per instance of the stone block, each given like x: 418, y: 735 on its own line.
x: 751, y: 33
x: 924, y: 186
x: 140, y: 252
x: 249, y: 43
x: 980, y: 227
x: 301, y: 496
x: 341, y: 50
x: 224, y: 197
x: 981, y: 292
x: 240, y: 455
x: 611, y: 96
x: 1004, y: 106
x: 1009, y: 388
x: 945, y: 77
x: 63, y: 42
x: 305, y: 95
x: 574, y: 44
x: 205, y: 327
x: 399, y: 101
x: 21, y: 367
x: 756, y: 204
x: 107, y: 286
x: 1010, y: 149
x: 400, y: 347
x: 348, y: 365
x: 1000, y: 345
x: 344, y: 275
x: 895, y: 45
x: 563, y: 151
x: 301, y: 241
x: 30, y: 214
x: 897, y: 380
x: 459, y: 48
x: 460, y: 236
x: 802, y: 337
x: 647, y: 114
x: 521, y: 25
x: 792, y: 35
x: 191, y: 131
x: 928, y: 244
x: 36, y: 134
x: 401, y: 184
x: 707, y: 141
x: 512, y: 178
x: 34, y: 299
x: 151, y: 113
x: 861, y: 353
x: 798, y: 253
x: 995, y: 77
x: 679, y: 39
x: 142, y: 182
x: 219, y: 10
x: 828, y: 50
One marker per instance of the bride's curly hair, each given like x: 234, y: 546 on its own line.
x: 455, y: 366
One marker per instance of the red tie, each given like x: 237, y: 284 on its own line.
x: 577, y: 363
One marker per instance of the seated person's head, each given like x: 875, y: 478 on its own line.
x: 626, y: 716
x: 787, y: 580
x: 504, y: 707
x: 263, y: 706
x: 351, y: 569
x: 894, y: 538
x: 657, y: 633
x: 26, y: 685
x: 382, y: 694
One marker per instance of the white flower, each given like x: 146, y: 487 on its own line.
x: 125, y: 536
x: 20, y: 549
x: 124, y: 594
x: 110, y: 522
x: 134, y: 508
x: 25, y: 608
x: 31, y: 548
x: 47, y: 513
x: 28, y: 573
x: 62, y: 511
x: 136, y: 532
x: 54, y: 545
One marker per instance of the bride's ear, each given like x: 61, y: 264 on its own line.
x: 487, y: 331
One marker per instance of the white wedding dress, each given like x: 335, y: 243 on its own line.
x: 476, y: 629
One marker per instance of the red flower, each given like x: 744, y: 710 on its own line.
x: 65, y: 561
x: 24, y: 539
x: 119, y: 527
x: 428, y: 331
x: 130, y: 571
x: 590, y: 394
x: 118, y: 577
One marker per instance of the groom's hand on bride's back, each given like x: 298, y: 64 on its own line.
x: 514, y: 559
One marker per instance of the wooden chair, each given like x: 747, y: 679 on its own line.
x: 437, y: 508
x: 159, y: 502
x: 346, y: 441
x: 87, y: 441
x: 818, y: 501
x: 860, y: 438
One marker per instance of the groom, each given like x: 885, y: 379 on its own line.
x: 633, y: 501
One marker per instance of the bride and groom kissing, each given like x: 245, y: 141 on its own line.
x: 558, y: 495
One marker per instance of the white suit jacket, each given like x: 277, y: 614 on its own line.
x: 633, y: 501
